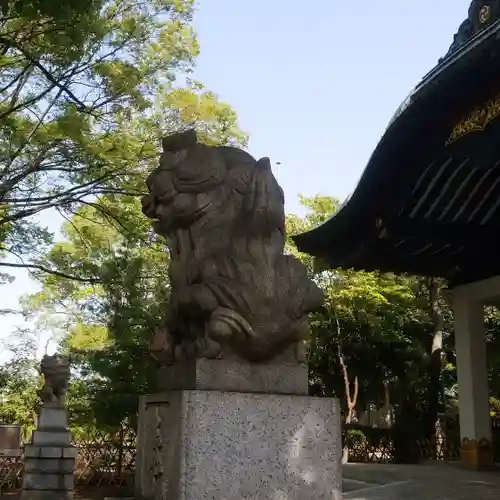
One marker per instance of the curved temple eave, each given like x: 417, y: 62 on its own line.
x: 454, y: 192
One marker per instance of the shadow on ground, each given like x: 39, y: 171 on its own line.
x: 436, y: 481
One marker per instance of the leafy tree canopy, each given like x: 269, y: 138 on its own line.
x: 87, y: 89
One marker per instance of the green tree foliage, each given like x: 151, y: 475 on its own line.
x: 87, y: 88
x: 107, y: 325
x: 20, y: 383
x: 367, y: 316
x: 375, y: 333
x: 380, y: 332
x: 107, y: 320
x: 373, y: 316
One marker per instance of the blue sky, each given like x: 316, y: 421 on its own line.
x: 314, y: 84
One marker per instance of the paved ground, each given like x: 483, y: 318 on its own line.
x: 403, y: 482
x: 418, y: 482
x: 78, y: 496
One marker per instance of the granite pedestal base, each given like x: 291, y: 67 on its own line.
x: 49, y: 460
x: 235, y: 376
x: 201, y: 444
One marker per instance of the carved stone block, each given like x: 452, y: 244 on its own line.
x: 49, y: 459
x: 53, y: 418
x: 213, y: 444
x: 235, y: 376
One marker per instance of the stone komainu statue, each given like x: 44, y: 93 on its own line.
x: 55, y: 371
x: 233, y: 291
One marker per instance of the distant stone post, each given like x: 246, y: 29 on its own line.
x: 49, y: 459
x: 234, y: 419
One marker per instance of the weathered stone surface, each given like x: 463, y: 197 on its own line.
x: 221, y: 375
x: 10, y: 453
x: 52, y: 418
x: 70, y: 452
x: 49, y: 451
x: 235, y: 376
x: 212, y: 444
x: 46, y: 495
x: 48, y: 481
x: 48, y: 468
x: 51, y: 438
x: 50, y: 465
x: 55, y: 370
x: 49, y: 459
x: 233, y: 290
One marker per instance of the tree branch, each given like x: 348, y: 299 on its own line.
x: 46, y: 73
x: 39, y: 267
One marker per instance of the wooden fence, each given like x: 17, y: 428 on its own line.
x: 105, y: 460
x: 368, y: 444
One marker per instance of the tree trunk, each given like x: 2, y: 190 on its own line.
x: 435, y: 364
x: 384, y: 413
x: 351, y: 400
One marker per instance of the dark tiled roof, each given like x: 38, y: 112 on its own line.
x: 428, y: 201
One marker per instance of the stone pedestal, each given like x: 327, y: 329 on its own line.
x: 235, y: 376
x: 230, y: 444
x: 49, y: 459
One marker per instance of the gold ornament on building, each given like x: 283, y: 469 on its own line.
x: 484, y: 14
x: 477, y: 121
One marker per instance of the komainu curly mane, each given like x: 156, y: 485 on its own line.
x: 232, y: 288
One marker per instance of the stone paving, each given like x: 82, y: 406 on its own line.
x: 96, y: 495
x: 419, y: 482
x: 402, y: 482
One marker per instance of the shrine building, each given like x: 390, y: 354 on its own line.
x: 428, y: 203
